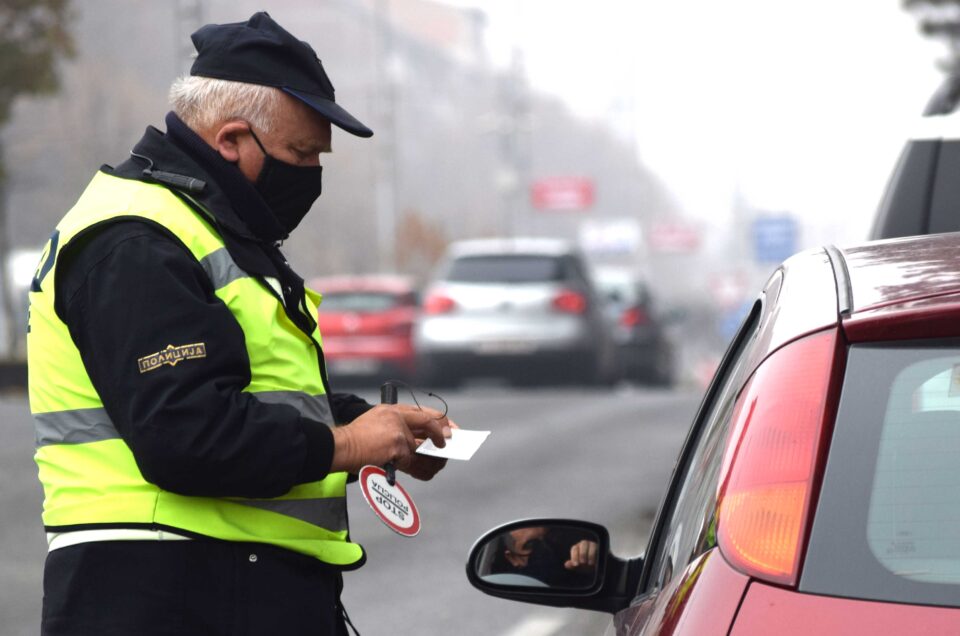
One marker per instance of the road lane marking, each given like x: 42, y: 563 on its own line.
x: 537, y: 626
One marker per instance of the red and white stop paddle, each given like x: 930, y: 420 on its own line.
x: 390, y: 502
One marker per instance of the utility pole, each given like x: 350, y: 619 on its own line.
x: 515, y: 144
x: 385, y: 79
x: 516, y: 132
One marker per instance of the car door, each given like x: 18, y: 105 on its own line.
x: 684, y: 537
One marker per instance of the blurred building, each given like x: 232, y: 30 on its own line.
x: 458, y: 142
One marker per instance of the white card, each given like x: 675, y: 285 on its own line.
x: 461, y: 444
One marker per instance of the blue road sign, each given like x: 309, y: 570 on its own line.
x: 774, y: 238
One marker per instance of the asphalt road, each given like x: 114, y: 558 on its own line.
x: 600, y: 455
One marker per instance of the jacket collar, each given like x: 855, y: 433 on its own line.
x: 188, y: 166
x: 206, y: 177
x: 183, y: 162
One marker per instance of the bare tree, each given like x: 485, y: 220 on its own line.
x: 419, y: 245
x: 940, y: 19
x: 33, y: 35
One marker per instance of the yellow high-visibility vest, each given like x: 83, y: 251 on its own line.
x: 89, y: 475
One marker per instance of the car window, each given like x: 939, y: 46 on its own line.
x: 506, y: 268
x: 576, y: 271
x: 621, y: 292
x: 359, y: 301
x: 688, y: 526
x: 887, y: 526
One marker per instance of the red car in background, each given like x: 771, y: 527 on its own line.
x: 818, y: 491
x: 366, y: 323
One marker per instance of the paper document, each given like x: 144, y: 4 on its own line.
x: 461, y: 444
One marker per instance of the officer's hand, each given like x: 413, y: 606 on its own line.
x: 424, y: 467
x: 386, y: 433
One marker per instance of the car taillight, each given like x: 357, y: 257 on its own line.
x: 633, y: 317
x: 438, y: 304
x: 770, y: 466
x: 569, y: 301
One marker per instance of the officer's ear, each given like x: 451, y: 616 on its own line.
x: 226, y: 139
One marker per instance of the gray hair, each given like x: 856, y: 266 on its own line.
x: 202, y: 102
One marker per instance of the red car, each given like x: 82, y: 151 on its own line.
x: 818, y: 491
x: 366, y: 323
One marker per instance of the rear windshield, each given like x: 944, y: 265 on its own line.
x: 887, y: 526
x: 506, y: 268
x: 622, y: 291
x: 360, y: 301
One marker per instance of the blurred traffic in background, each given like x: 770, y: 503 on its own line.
x: 522, y: 310
x: 681, y: 160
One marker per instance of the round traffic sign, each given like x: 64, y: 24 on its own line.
x: 391, y: 504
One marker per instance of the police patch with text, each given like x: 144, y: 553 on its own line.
x: 172, y: 355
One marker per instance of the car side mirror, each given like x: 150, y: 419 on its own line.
x: 556, y: 562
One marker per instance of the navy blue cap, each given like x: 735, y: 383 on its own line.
x: 260, y: 51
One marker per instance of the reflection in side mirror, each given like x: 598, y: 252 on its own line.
x: 551, y: 556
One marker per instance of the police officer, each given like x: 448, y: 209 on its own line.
x: 193, y: 458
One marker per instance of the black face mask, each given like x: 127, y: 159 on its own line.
x: 289, y: 190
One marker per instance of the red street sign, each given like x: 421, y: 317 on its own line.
x: 562, y: 193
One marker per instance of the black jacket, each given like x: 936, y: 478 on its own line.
x: 129, y: 288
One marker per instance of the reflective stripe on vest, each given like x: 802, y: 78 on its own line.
x: 89, y: 474
x: 93, y: 425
